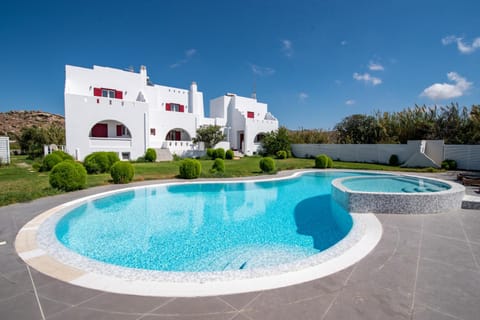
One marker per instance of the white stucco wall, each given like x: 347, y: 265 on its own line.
x: 4, y: 150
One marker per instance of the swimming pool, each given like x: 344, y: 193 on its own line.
x: 209, y: 226
x: 252, y: 265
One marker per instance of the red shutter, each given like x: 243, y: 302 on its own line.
x: 100, y: 130
x: 181, y: 108
x: 178, y: 136
x: 119, y: 130
x: 168, y: 107
x: 250, y: 114
x: 118, y: 94
x: 97, y: 92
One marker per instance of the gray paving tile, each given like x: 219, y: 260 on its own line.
x: 471, y: 224
x: 370, y: 301
x: 194, y: 317
x: 444, y: 224
x: 403, y: 221
x: 476, y: 253
x: 23, y: 307
x: 10, y: 261
x: 76, y: 313
x: 424, y: 313
x: 191, y: 306
x: 239, y: 301
x: 303, y: 309
x: 448, y: 289
x: 66, y: 293
x: 12, y: 284
x: 123, y: 303
x: 448, y: 251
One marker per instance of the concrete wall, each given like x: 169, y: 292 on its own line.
x: 4, y: 150
x: 466, y: 156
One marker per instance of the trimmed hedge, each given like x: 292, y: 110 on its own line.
x: 100, y: 162
x: 323, y: 161
x: 68, y: 176
x: 267, y: 165
x: 218, y: 165
x: 150, y: 155
x: 50, y: 160
x: 220, y: 153
x: 190, y: 169
x: 122, y: 172
x: 393, y: 161
x: 282, y: 154
x: 211, y: 153
x: 229, y: 154
x: 449, y: 164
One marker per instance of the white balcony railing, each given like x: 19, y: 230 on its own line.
x: 110, y: 142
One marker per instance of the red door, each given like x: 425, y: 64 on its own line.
x: 178, y: 136
x: 100, y: 130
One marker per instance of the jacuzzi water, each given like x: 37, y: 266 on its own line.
x: 209, y: 226
x: 394, y: 184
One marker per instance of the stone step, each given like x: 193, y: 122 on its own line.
x: 164, y: 155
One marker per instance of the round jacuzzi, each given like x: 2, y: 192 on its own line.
x: 397, y: 194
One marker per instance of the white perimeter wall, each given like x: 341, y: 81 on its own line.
x: 466, y: 156
x: 4, y: 150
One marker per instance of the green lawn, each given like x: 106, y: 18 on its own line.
x: 19, y: 182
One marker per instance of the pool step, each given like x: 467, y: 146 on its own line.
x: 471, y: 202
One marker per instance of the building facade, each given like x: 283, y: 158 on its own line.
x: 109, y: 109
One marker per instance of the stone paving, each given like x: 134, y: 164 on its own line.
x: 424, y: 267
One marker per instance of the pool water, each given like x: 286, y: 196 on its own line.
x: 209, y: 226
x: 394, y: 184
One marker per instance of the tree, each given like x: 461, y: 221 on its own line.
x: 359, y: 128
x: 210, y: 135
x: 31, y: 141
x: 275, y: 141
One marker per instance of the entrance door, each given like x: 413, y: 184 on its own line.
x: 242, y: 138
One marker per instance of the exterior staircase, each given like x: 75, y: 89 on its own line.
x: 164, y: 155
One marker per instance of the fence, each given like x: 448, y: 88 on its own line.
x: 466, y: 156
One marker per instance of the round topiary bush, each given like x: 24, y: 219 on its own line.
x: 220, y: 153
x: 150, y: 155
x: 321, y: 161
x: 267, y: 165
x: 68, y: 176
x: 122, y: 172
x: 393, y: 161
x: 100, y: 162
x: 329, y: 162
x: 50, y: 161
x: 218, y: 165
x: 190, y: 169
x: 282, y: 154
x: 229, y: 154
x: 211, y: 153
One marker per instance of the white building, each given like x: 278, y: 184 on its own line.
x: 109, y: 109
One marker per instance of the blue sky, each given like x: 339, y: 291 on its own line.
x: 313, y: 62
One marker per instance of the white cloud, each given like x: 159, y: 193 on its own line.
x: 350, y: 102
x: 302, y: 96
x: 367, y: 78
x: 375, y: 66
x: 287, y: 48
x: 440, y: 91
x: 188, y: 55
x: 262, y: 71
x: 462, y: 46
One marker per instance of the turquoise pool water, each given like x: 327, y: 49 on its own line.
x: 394, y: 184
x: 209, y: 226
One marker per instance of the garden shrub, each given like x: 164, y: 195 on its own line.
x: 100, y: 162
x: 393, y: 161
x: 122, y: 172
x: 218, y: 166
x: 323, y: 161
x: 267, y: 165
x: 50, y: 160
x: 219, y: 153
x: 229, y: 154
x: 68, y: 176
x: 190, y: 169
x: 211, y: 153
x: 282, y: 154
x: 448, y: 164
x: 150, y: 155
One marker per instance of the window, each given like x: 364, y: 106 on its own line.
x: 152, y: 131
x: 250, y: 114
x: 125, y: 155
x: 175, y: 107
x: 108, y: 93
x: 174, y: 135
x: 100, y: 130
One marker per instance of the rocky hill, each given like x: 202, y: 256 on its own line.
x: 12, y: 122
